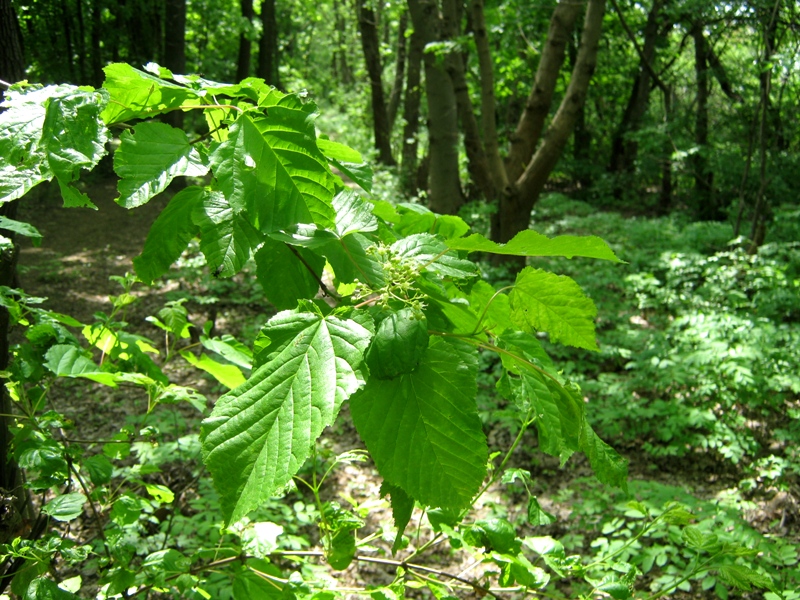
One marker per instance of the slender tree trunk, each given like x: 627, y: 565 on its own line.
x: 444, y: 186
x: 267, y: 67
x: 400, y: 70
x: 703, y: 177
x: 515, y: 207
x: 623, y: 149
x: 368, y: 26
x: 408, y: 169
x: 488, y: 101
x: 243, y: 62
x: 96, y: 50
x: 175, y: 48
x: 529, y: 130
x: 477, y: 162
x: 340, y: 55
x: 665, y: 195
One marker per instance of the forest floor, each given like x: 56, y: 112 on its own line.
x: 82, y: 248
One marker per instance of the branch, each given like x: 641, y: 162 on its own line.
x: 324, y: 287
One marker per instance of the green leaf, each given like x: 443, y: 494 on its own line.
x: 353, y: 214
x: 743, y: 578
x: 537, y: 516
x: 423, y: 430
x: 230, y: 349
x: 73, y: 198
x: 351, y: 261
x: 531, y: 243
x: 149, y: 158
x: 46, y: 589
x: 248, y: 585
x: 73, y: 134
x: 493, y: 534
x: 99, y: 469
x: 272, y: 169
x: 398, y: 345
x: 542, y: 301
x: 160, y: 493
x: 260, y: 434
x: 69, y: 361
x: 402, y: 507
x: 136, y: 94
x: 337, y: 151
x: 21, y: 228
x: 170, y: 234
x: 228, y: 375
x: 226, y: 238
x: 283, y: 273
x: 65, y: 507
x: 430, y: 253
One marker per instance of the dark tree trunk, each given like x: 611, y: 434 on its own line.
x: 624, y: 149
x: 444, y: 186
x: 703, y: 177
x: 95, y: 48
x: 175, y: 47
x: 368, y: 27
x: 268, y: 45
x: 243, y: 62
x: 67, y: 30
x: 408, y: 169
x: 399, y: 72
x: 12, y: 69
x: 81, y: 43
x: 12, y: 62
x: 665, y: 195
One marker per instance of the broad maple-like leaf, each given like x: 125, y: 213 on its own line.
x: 261, y: 433
x: 423, y: 430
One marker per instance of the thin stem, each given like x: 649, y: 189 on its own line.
x: 321, y: 283
x: 486, y: 308
x: 96, y: 514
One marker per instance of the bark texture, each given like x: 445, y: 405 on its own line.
x: 368, y: 26
x: 444, y: 186
x: 267, y: 68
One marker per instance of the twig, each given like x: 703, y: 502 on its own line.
x: 324, y: 287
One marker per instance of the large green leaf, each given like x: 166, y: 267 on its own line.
x: 432, y: 254
x: 398, y: 345
x: 226, y: 238
x: 531, y: 243
x: 353, y: 214
x: 287, y: 275
x: 351, y: 261
x: 69, y: 361
x: 261, y: 433
x: 542, y: 301
x: 136, y: 94
x: 149, y: 158
x: 170, y: 234
x: 423, y: 430
x: 49, y: 131
x: 271, y: 168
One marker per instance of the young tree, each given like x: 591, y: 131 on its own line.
x: 243, y: 62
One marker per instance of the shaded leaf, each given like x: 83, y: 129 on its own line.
x: 284, y: 273
x: 531, y: 243
x: 423, y: 430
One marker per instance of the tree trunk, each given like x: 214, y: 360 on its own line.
x: 267, y: 67
x: 529, y: 130
x: 96, y: 51
x: 623, y: 149
x: 477, y: 162
x: 243, y: 62
x: 340, y: 55
x: 399, y: 72
x: 515, y: 207
x: 12, y: 62
x: 703, y: 177
x: 444, y: 187
x: 175, y: 48
x: 488, y: 101
x: 408, y: 168
x: 12, y: 69
x: 665, y: 196
x: 370, y: 44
